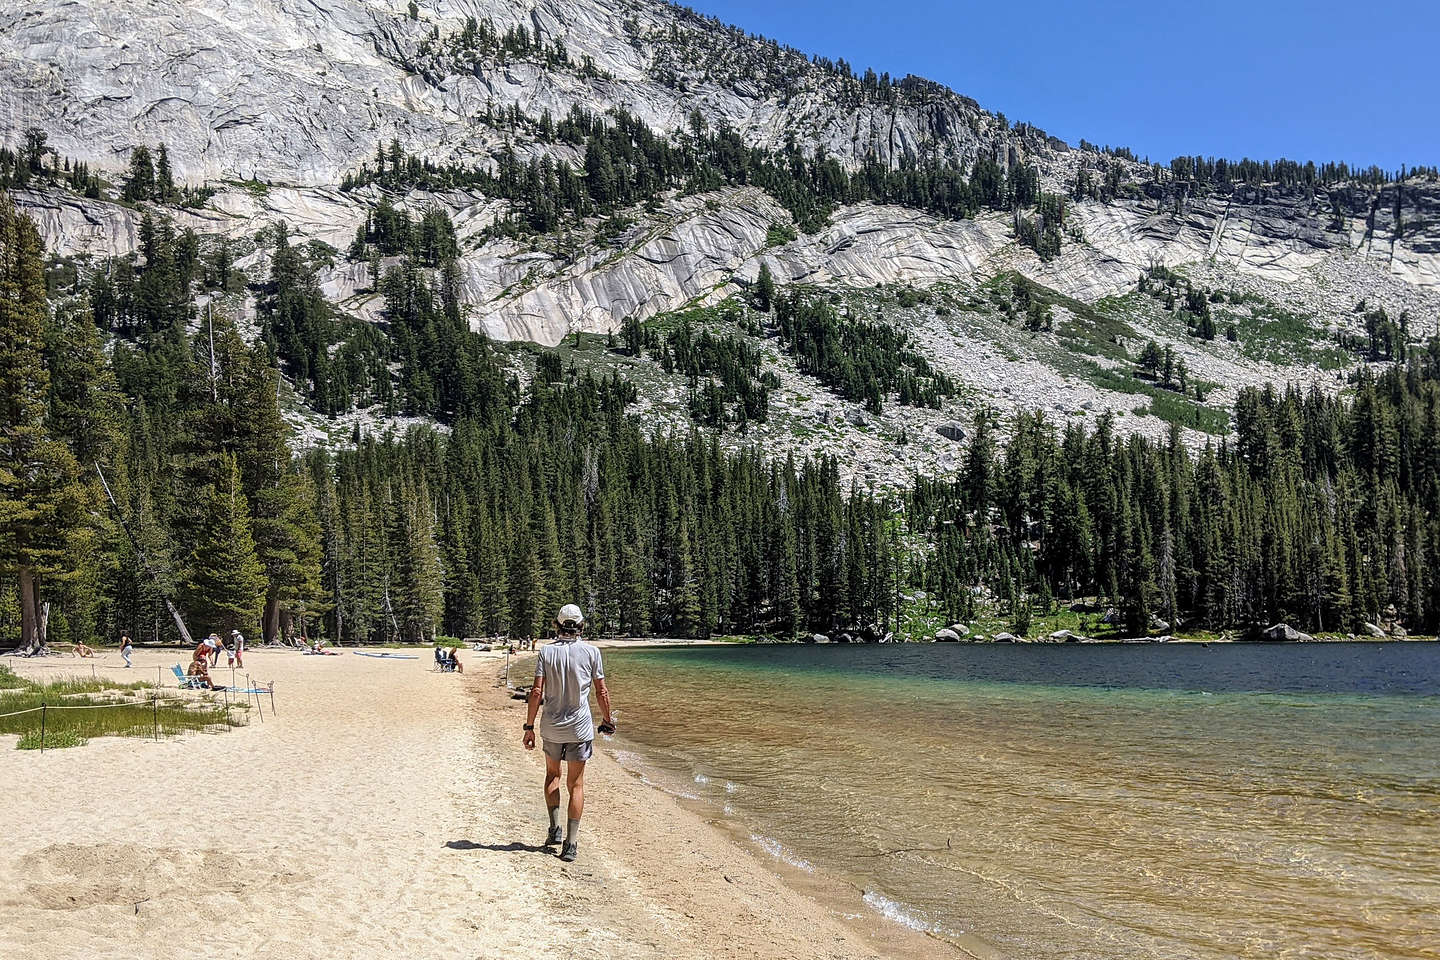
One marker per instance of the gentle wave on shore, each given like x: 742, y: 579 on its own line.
x: 1066, y: 803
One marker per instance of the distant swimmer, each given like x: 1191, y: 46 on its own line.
x: 564, y: 673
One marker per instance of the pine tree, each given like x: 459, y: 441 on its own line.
x: 224, y: 584
x: 41, y: 502
x: 140, y: 185
x: 164, y: 180
x: 764, y: 288
x: 418, y: 593
x: 527, y: 590
x: 492, y: 576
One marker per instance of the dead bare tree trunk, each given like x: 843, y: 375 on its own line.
x: 30, y: 630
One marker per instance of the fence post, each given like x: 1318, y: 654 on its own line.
x: 272, y: 698
x: 251, y: 686
x: 155, y: 706
x: 42, y: 726
x: 227, y: 708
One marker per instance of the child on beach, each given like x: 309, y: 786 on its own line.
x: 125, y: 650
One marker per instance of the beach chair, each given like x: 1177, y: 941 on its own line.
x: 187, y: 682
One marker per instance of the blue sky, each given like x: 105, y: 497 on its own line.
x: 1317, y: 80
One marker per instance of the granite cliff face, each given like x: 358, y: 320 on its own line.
x: 301, y: 91
x: 271, y: 104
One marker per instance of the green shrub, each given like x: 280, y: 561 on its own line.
x: 779, y: 234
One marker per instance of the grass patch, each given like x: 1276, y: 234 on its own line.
x: 1164, y: 404
x: 81, y: 709
x: 258, y: 189
x: 54, y: 739
x: 1090, y: 329
x: 1276, y: 335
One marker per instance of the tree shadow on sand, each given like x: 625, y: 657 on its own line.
x: 514, y: 846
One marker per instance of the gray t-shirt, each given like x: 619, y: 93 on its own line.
x: 569, y: 667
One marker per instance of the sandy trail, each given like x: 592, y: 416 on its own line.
x: 386, y: 810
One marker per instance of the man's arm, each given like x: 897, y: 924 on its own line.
x: 602, y: 693
x: 532, y: 707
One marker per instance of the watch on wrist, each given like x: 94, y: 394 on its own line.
x: 529, y: 726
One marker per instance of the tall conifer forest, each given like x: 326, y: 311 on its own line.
x: 1314, y: 510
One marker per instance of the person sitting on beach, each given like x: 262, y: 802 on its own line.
x: 564, y: 673
x: 455, y: 663
x: 199, y: 668
x: 80, y: 649
x: 440, y: 659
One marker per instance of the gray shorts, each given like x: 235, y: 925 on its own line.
x: 571, y: 752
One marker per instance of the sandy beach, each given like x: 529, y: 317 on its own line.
x: 383, y: 809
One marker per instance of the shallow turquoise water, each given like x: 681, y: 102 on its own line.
x: 1187, y: 801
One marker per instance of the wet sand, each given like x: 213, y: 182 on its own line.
x: 382, y: 810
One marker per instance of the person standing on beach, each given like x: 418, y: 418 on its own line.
x: 564, y: 672
x: 237, y: 649
x: 126, y: 649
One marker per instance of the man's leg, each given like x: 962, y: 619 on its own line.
x: 552, y: 797
x: 575, y: 786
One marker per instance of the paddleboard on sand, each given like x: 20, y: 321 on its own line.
x: 385, y: 656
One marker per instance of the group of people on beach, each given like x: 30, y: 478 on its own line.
x: 207, y: 656
x: 448, y: 661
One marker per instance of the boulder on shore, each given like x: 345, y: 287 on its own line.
x: 1067, y: 636
x: 1003, y: 637
x: 960, y: 628
x: 946, y: 635
x: 1373, y: 630
x: 1284, y: 633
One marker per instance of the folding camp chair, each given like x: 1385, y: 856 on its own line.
x: 186, y: 682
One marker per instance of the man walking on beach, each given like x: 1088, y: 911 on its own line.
x: 564, y: 673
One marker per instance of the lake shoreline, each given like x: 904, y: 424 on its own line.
x: 379, y: 808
